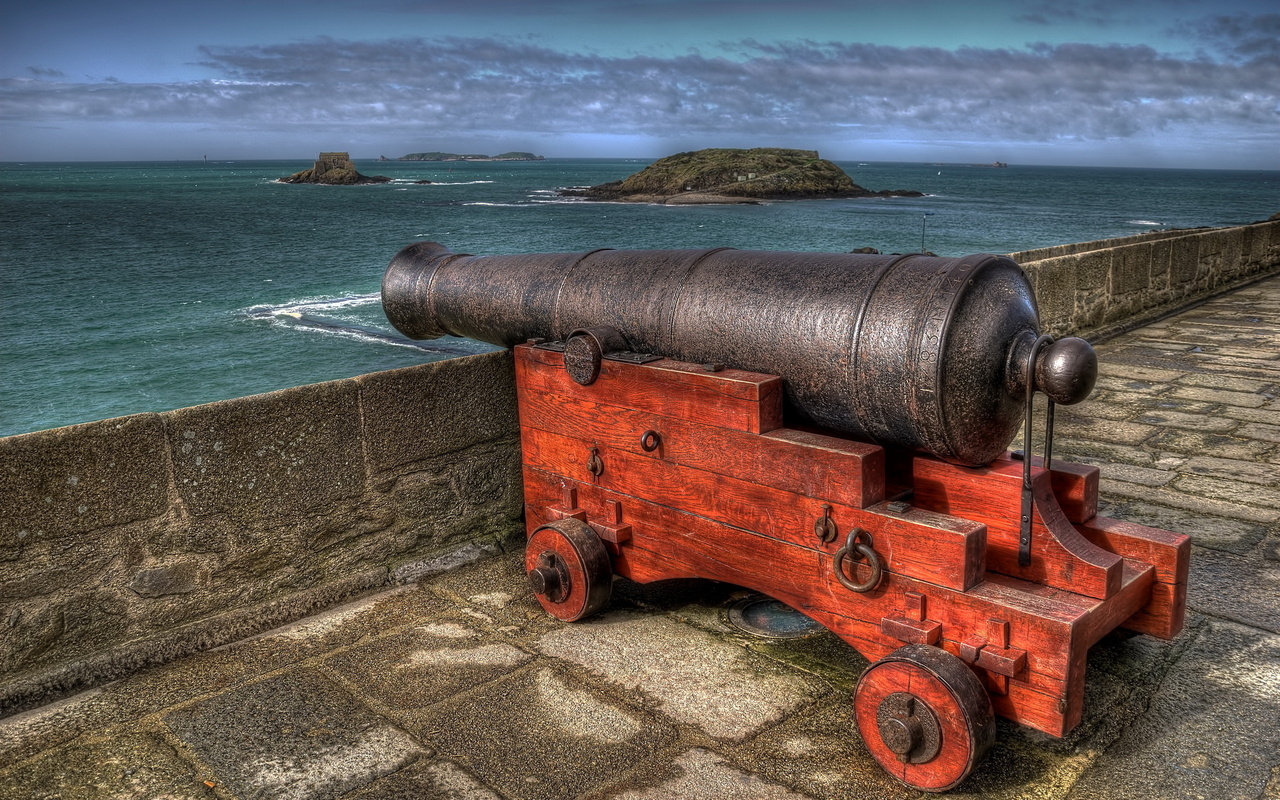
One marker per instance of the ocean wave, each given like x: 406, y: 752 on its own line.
x: 305, y: 321
x: 497, y: 205
x: 457, y: 183
x: 1143, y: 222
x: 314, y: 304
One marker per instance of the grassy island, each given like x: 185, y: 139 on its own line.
x: 722, y: 175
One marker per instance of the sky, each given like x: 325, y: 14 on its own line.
x: 1176, y: 83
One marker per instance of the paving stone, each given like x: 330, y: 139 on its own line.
x: 1194, y: 443
x: 1232, y: 469
x: 1116, y: 431
x: 110, y: 764
x: 539, y: 733
x: 1212, y: 532
x: 1196, y: 422
x: 695, y: 678
x: 1238, y: 588
x: 1101, y: 405
x: 1144, y: 404
x: 1228, y: 382
x: 316, y: 742
x: 819, y: 752
x: 706, y: 604
x: 23, y: 735
x: 1125, y: 385
x: 1231, y: 490
x: 1228, y: 398
x: 1211, y: 730
x: 1266, y: 416
x: 1127, y: 371
x: 425, y: 664
x: 1145, y: 476
x: 1254, y: 430
x: 1176, y: 499
x: 707, y: 776
x: 426, y: 780
x: 495, y: 594
x: 1072, y: 444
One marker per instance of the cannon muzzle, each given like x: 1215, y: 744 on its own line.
x: 912, y: 351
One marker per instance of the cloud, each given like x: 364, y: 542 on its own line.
x: 454, y: 86
x: 46, y: 72
x: 1096, y: 13
x: 614, y: 10
x: 1243, y: 37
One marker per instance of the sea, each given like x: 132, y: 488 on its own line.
x: 132, y: 287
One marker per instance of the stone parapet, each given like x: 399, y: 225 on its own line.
x: 129, y: 541
x: 1097, y: 289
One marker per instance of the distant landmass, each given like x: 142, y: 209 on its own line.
x: 513, y: 156
x: 722, y: 175
x: 334, y: 169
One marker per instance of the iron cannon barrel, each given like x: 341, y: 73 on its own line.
x: 914, y: 351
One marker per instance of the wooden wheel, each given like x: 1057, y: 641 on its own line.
x: 924, y: 716
x: 569, y: 569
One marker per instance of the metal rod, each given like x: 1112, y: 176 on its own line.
x: 1028, y: 495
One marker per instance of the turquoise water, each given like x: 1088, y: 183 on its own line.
x: 130, y: 287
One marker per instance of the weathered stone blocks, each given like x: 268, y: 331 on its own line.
x: 267, y: 456
x: 414, y: 415
x: 81, y: 478
x: 1121, y: 283
x: 133, y: 540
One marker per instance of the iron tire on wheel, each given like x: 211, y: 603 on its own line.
x: 924, y: 716
x: 569, y: 569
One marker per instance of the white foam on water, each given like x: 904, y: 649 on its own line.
x: 324, y: 303
x: 1144, y: 222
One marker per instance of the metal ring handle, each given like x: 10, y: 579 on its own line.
x: 650, y: 441
x: 864, y: 549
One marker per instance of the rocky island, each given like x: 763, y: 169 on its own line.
x: 334, y: 169
x: 722, y: 175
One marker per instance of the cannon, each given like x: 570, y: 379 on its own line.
x: 831, y: 430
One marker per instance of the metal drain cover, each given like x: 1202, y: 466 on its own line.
x: 770, y: 619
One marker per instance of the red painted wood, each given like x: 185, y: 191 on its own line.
x: 1075, y: 485
x: 1168, y: 553
x: 586, y: 565
x: 746, y: 401
x: 667, y: 543
x: 839, y: 470
x: 958, y: 753
x: 1061, y: 557
x: 718, y: 500
x: 931, y: 547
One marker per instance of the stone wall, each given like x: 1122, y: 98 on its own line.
x: 1095, y: 289
x: 133, y: 540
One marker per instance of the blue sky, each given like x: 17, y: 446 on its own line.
x: 1175, y: 83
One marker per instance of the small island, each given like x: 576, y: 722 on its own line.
x: 512, y: 156
x: 334, y: 169
x: 722, y: 175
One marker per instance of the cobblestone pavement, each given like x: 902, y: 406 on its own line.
x: 462, y: 688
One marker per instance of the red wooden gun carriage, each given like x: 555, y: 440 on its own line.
x: 829, y: 430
